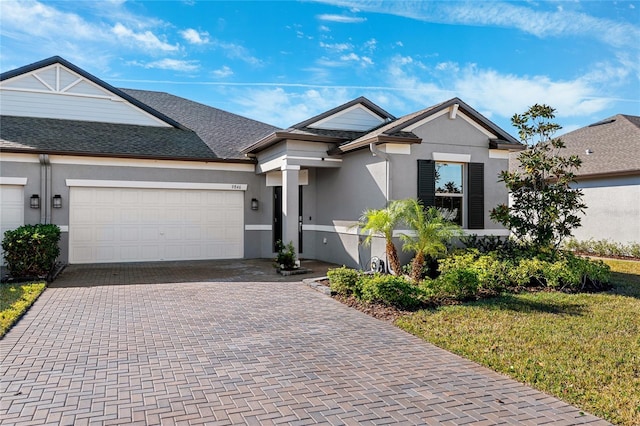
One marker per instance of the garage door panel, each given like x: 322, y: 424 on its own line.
x: 129, y: 233
x: 11, y: 209
x: 154, y: 224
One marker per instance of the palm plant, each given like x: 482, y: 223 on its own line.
x: 432, y: 232
x: 382, y: 222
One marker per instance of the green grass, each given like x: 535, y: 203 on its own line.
x: 582, y: 348
x: 15, y: 299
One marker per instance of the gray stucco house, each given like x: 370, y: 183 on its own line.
x: 609, y: 178
x: 132, y: 175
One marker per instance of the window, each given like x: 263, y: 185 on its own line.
x: 458, y: 187
x: 449, y: 189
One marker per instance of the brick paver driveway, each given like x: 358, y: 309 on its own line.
x: 241, y: 353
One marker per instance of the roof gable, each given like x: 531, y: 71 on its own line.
x: 401, y: 129
x: 55, y: 88
x: 359, y: 114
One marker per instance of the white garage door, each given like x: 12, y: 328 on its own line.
x: 11, y: 208
x: 140, y: 224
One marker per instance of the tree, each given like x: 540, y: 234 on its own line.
x: 432, y: 232
x: 383, y: 222
x: 544, y: 208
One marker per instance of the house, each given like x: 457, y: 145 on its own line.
x: 609, y: 178
x: 132, y: 175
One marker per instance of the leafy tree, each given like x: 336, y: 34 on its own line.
x: 544, y: 207
x: 383, y: 222
x: 432, y: 231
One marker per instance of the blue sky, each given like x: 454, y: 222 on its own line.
x: 282, y: 62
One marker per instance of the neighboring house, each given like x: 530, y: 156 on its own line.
x: 609, y: 178
x: 133, y: 175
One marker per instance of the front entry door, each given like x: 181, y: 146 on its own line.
x: 277, y: 217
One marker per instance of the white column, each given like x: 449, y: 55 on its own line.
x: 290, y: 181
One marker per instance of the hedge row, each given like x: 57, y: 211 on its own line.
x: 470, y: 275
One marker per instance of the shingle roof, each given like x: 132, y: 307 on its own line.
x: 224, y: 133
x: 199, y: 131
x: 87, y: 137
x: 395, y: 128
x: 614, y: 145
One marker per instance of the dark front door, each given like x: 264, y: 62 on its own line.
x: 277, y: 217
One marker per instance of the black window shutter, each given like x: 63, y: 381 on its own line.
x: 427, y: 182
x: 475, y: 197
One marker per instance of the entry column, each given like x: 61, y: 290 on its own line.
x: 290, y: 182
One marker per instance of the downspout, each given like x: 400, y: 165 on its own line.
x: 45, y: 189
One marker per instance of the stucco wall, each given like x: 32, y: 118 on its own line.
x: 257, y: 243
x: 613, y: 210
x: 360, y: 184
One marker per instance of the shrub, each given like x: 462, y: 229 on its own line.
x: 458, y: 283
x: 391, y: 290
x: 569, y: 272
x: 31, y: 250
x: 486, y: 243
x: 605, y: 248
x: 528, y: 272
x: 492, y: 273
x: 286, y: 258
x: 345, y: 281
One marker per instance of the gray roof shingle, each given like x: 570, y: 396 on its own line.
x: 224, y: 133
x: 87, y: 137
x: 613, y: 145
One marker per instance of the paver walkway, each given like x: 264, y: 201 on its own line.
x: 241, y: 353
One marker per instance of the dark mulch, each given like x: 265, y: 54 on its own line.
x: 376, y: 310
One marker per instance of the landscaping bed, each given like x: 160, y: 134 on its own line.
x: 582, y: 347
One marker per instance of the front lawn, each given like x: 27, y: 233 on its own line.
x: 15, y: 299
x: 583, y: 348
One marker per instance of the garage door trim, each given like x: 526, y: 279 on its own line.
x: 155, y: 185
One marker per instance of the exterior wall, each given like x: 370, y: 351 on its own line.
x: 257, y: 242
x: 443, y: 135
x: 613, y: 210
x: 360, y: 184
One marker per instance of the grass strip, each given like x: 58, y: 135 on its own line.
x: 15, y: 299
x: 582, y: 348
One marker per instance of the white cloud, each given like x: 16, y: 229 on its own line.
x: 341, y: 19
x: 339, y: 47
x: 508, y: 15
x: 145, y: 40
x: 195, y: 37
x: 324, y: 28
x: 236, y: 51
x: 223, y: 72
x: 285, y: 108
x: 170, y: 64
x: 40, y: 20
x: 499, y: 94
x: 352, y: 57
x: 370, y: 45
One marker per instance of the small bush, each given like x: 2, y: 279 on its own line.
x: 345, y: 281
x: 604, y: 248
x: 528, y: 272
x: 391, y: 290
x: 31, y: 250
x: 286, y: 258
x: 459, y: 283
x: 491, y: 271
